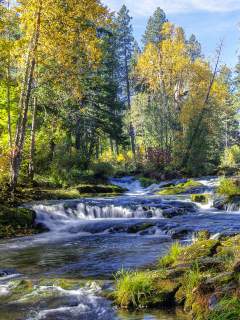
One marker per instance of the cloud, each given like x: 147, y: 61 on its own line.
x: 144, y: 8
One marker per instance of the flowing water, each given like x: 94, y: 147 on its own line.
x: 92, y: 238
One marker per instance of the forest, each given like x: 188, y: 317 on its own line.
x: 80, y: 97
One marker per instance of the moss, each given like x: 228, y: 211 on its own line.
x: 180, y: 296
x: 146, y: 182
x: 100, y: 189
x: 202, y: 198
x: 204, y: 235
x: 64, y: 284
x: 198, y: 250
x: 180, y: 188
x: 147, y: 225
x: 165, y: 292
x: 15, y: 221
x: 21, y: 285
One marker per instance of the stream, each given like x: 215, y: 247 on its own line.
x: 90, y: 240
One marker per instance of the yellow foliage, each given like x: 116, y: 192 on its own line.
x: 121, y: 157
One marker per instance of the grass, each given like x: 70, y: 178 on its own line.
x: 228, y: 308
x: 171, y: 255
x: 192, y: 278
x: 133, y: 287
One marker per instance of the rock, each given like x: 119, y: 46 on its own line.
x: 216, y: 264
x: 181, y: 232
x: 38, y: 225
x: 204, y: 235
x: 220, y: 204
x: 236, y: 267
x: 134, y: 228
x: 213, y: 301
x: 172, y: 212
x: 198, y: 250
x: 205, y: 288
x: 223, y: 277
x: 177, y: 271
x: 228, y: 288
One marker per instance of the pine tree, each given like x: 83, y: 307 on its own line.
x: 124, y: 43
x: 195, y: 48
x: 154, y: 27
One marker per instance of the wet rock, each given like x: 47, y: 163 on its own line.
x: 118, y: 229
x: 182, y: 232
x: 198, y: 250
x: 38, y: 225
x: 169, y: 213
x: 147, y: 232
x: 220, y: 204
x: 134, y: 228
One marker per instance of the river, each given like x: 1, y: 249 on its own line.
x: 90, y: 239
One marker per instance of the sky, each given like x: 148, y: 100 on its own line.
x: 209, y: 20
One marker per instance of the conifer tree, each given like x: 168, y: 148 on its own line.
x: 124, y: 42
x: 154, y: 27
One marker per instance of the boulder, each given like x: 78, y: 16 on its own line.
x: 172, y: 212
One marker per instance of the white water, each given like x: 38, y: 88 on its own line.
x: 89, y: 238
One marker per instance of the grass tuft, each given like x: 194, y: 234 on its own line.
x: 171, y: 255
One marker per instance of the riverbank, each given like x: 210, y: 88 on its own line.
x: 202, y: 277
x: 19, y: 222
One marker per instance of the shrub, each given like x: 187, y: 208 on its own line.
x: 227, y: 187
x: 146, y: 182
x: 102, y: 170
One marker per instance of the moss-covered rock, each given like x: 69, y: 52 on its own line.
x: 180, y: 188
x: 165, y: 292
x: 201, y: 198
x: 146, y: 225
x: 100, y: 189
x: 204, y: 235
x: 16, y: 221
x: 198, y: 250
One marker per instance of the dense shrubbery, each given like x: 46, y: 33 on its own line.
x: 228, y: 188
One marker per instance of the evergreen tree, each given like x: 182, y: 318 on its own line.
x: 154, y: 27
x: 124, y: 43
x: 195, y: 48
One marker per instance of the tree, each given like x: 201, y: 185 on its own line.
x: 124, y: 43
x: 154, y: 27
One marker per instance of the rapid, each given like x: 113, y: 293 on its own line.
x: 91, y: 239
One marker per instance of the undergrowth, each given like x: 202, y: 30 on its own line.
x: 133, y: 287
x: 171, y: 255
x: 228, y: 308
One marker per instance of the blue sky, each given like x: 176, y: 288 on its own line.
x: 208, y: 20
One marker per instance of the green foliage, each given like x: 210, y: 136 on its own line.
x: 171, y: 255
x: 102, y: 170
x: 228, y: 308
x: 227, y: 187
x: 146, y: 225
x: 133, y: 287
x: 192, y: 278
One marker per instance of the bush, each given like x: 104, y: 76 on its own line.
x: 102, y: 170
x: 227, y: 187
x: 146, y: 182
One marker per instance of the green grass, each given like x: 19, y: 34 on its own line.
x: 192, y: 278
x: 228, y: 308
x: 171, y: 255
x: 133, y: 287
